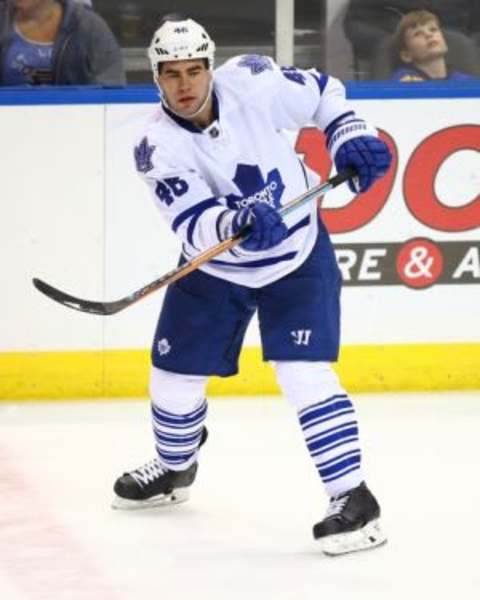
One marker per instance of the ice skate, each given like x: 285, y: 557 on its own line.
x: 153, y: 485
x: 351, y: 523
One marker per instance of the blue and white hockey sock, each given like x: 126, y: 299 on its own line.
x: 179, y: 409
x: 330, y: 429
x: 177, y: 436
x: 328, y: 421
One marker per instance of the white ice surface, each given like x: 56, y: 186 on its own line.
x: 246, y: 531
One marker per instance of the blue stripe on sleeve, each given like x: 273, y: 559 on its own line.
x: 333, y: 136
x: 194, y: 211
x: 331, y: 126
x: 321, y: 80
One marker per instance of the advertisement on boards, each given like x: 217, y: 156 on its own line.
x: 403, y: 252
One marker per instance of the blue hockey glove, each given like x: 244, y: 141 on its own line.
x: 267, y: 226
x: 355, y: 144
x: 369, y: 156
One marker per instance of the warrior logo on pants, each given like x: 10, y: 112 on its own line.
x: 301, y: 337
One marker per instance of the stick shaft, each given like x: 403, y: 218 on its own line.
x: 228, y: 244
x: 110, y: 308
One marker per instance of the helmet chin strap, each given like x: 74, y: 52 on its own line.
x: 199, y: 110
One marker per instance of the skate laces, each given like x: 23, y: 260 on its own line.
x: 336, y: 505
x: 148, y: 472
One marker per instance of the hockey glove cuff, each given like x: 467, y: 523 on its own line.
x: 355, y: 144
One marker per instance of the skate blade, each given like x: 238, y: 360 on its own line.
x: 176, y: 497
x: 370, y: 536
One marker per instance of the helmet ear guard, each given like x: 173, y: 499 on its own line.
x: 180, y: 40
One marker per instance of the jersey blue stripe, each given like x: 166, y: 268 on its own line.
x: 194, y: 211
x: 263, y: 262
x: 331, y: 126
x: 333, y: 137
x: 321, y: 80
x: 303, y: 223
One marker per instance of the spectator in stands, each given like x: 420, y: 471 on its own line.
x: 56, y: 42
x: 422, y: 48
x: 369, y: 24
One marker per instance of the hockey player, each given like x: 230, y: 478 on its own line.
x: 215, y: 160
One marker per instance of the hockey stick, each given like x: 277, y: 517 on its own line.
x: 110, y: 308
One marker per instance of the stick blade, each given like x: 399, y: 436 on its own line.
x: 88, y: 306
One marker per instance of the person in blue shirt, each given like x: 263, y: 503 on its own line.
x: 56, y: 42
x: 370, y: 24
x: 422, y: 48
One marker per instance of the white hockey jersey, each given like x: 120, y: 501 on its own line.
x: 241, y: 158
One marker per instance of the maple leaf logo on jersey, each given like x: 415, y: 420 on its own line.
x: 143, y: 156
x: 254, y: 188
x: 256, y: 63
x: 293, y: 74
x: 163, y: 347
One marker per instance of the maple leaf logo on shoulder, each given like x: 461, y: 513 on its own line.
x: 254, y: 188
x: 256, y: 63
x: 143, y: 156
